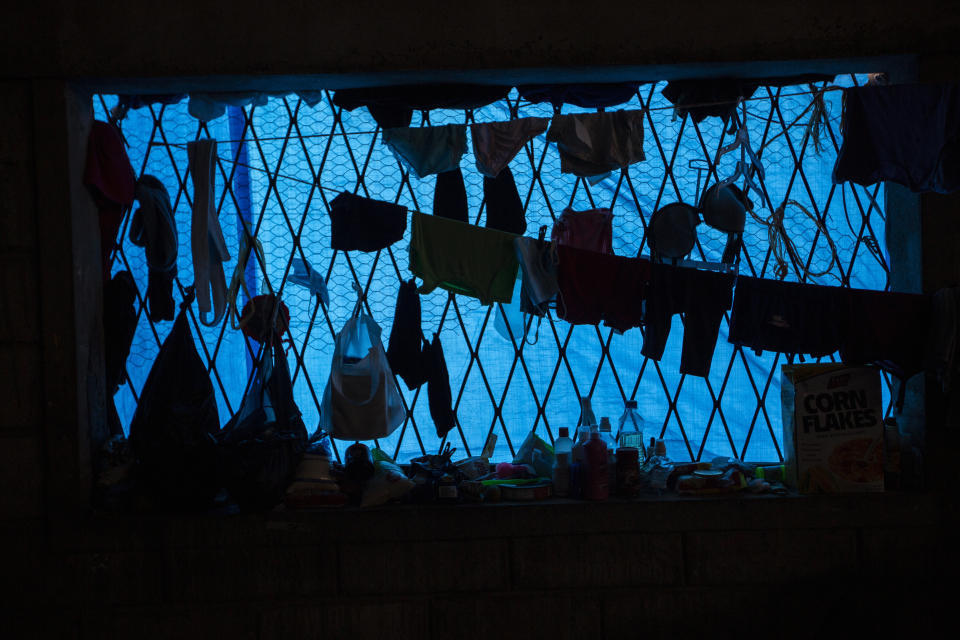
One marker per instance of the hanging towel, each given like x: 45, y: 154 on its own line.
x: 154, y: 228
x: 365, y: 224
x: 206, y: 238
x: 428, y: 150
x: 495, y: 144
x: 592, y: 144
x: 462, y: 258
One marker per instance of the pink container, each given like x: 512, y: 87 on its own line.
x: 596, y: 485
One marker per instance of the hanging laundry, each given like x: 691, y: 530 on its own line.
x: 705, y: 97
x: 394, y: 106
x: 404, y: 352
x: 597, y: 287
x: 462, y: 258
x: 365, y: 224
x: 592, y: 144
x: 888, y: 329
x: 504, y: 208
x: 438, y: 388
x: 672, y: 230
x: 495, y: 144
x: 591, y: 230
x: 787, y: 317
x: 428, y: 150
x: 703, y: 296
x: 206, y: 238
x: 450, y: 196
x: 210, y: 106
x: 119, y: 327
x: 586, y: 95
x: 538, y: 270
x: 154, y: 228
x: 908, y: 134
x: 306, y: 276
x: 112, y: 183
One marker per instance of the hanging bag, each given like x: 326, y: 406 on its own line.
x: 173, y: 430
x: 361, y: 400
x: 262, y: 445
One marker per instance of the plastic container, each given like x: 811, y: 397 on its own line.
x: 596, y: 485
x: 561, y: 475
x: 630, y: 429
x: 563, y: 443
x: 606, y: 434
x: 628, y: 472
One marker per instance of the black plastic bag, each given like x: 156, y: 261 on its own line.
x: 262, y: 445
x: 173, y: 430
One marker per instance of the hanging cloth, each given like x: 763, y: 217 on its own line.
x: 591, y: 230
x: 154, y: 228
x: 585, y: 95
x: 112, y: 184
x: 504, y: 208
x: 438, y: 388
x: 206, y: 238
x: 365, y: 224
x: 495, y: 144
x: 428, y: 150
x: 462, y: 258
x: 593, y: 144
x: 406, y: 337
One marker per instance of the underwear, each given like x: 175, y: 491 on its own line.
x: 908, y: 134
x: 450, y: 196
x: 702, y: 296
x: 598, y: 287
x: 538, y: 274
x: 428, y: 150
x: 504, y: 208
x: 588, y: 96
x: 438, y: 388
x: 462, y: 258
x: 112, y: 182
x: 592, y: 144
x: 207, y: 245
x: 591, y: 230
x: 889, y: 329
x: 365, y: 224
x: 495, y: 144
x: 787, y: 317
x: 406, y: 337
x: 394, y: 106
x: 153, y: 228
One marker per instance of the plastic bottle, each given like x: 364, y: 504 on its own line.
x: 596, y: 485
x: 561, y: 475
x: 606, y: 434
x: 632, y: 425
x: 563, y: 443
x: 656, y: 470
x: 587, y: 420
x: 586, y: 413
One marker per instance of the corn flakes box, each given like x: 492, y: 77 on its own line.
x: 832, y: 428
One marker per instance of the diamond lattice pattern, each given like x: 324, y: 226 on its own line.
x: 281, y: 163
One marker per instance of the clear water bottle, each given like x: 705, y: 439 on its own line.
x: 630, y: 429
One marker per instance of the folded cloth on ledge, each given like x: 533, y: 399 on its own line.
x: 463, y: 258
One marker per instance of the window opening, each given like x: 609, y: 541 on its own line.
x: 281, y: 163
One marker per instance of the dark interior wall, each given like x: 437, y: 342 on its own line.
x: 107, y: 574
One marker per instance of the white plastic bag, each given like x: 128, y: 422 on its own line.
x: 361, y: 401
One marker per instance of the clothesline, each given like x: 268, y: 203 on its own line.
x: 645, y: 108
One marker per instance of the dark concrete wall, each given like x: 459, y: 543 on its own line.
x: 699, y: 564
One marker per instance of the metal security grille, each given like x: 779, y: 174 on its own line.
x: 281, y: 163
